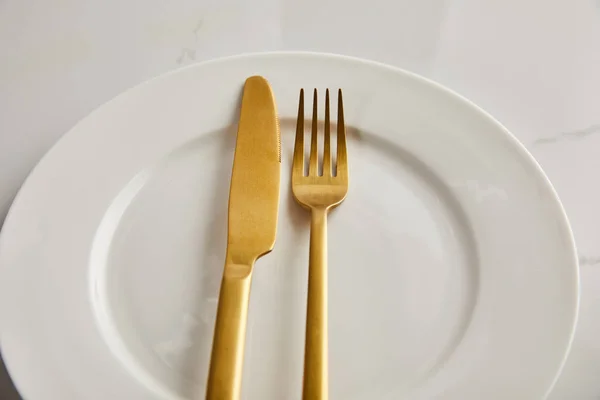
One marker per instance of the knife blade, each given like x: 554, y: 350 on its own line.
x: 252, y: 227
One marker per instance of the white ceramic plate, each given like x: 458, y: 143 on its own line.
x: 452, y: 267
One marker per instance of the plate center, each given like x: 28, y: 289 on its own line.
x: 402, y: 275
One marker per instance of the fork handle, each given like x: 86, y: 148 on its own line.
x: 225, y: 373
x: 315, y: 385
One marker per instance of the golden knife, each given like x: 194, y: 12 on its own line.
x: 253, y: 208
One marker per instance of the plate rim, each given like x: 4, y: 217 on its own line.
x: 518, y: 145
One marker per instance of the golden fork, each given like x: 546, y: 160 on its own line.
x: 318, y: 193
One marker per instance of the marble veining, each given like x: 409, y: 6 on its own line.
x: 569, y: 135
x: 189, y: 53
x: 589, y: 260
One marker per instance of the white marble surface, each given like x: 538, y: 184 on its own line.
x: 533, y: 64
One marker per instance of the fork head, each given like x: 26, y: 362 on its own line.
x: 320, y: 190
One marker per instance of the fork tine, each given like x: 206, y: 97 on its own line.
x: 298, y: 162
x: 342, y: 153
x: 313, y: 161
x: 327, y: 139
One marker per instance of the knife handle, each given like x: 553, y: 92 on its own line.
x: 315, y: 385
x: 225, y: 373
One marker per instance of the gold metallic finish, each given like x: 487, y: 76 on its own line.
x: 253, y: 207
x: 319, y: 194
